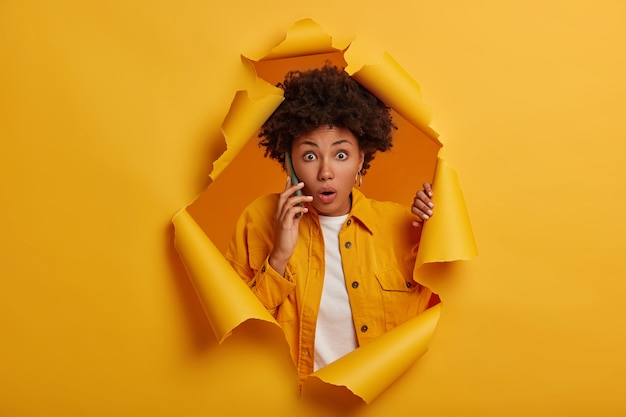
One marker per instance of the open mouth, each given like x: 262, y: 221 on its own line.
x: 327, y: 196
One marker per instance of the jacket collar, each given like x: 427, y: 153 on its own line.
x: 362, y: 210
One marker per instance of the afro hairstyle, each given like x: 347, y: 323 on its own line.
x: 327, y: 96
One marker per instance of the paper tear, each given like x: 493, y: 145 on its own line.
x: 228, y: 303
x: 392, y: 84
x: 448, y: 235
x: 305, y: 37
x: 245, y: 117
x: 373, y: 367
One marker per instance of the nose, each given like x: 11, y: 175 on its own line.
x: 325, y: 171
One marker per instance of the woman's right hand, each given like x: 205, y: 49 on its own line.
x: 289, y: 212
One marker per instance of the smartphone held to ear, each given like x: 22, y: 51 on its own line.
x: 292, y: 174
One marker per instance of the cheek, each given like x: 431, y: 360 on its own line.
x: 348, y: 175
x: 306, y: 173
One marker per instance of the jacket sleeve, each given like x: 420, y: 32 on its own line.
x: 248, y: 254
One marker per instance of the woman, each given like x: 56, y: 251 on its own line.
x: 334, y: 267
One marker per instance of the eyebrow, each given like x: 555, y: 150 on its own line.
x: 339, y: 142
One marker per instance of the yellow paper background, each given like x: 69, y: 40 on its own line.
x: 109, y: 121
x: 368, y: 371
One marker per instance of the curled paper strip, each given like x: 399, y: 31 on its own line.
x: 238, y: 130
x: 228, y: 302
x: 305, y: 37
x: 373, y: 367
x: 388, y: 81
x: 448, y: 235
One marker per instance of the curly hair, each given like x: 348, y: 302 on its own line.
x: 327, y: 96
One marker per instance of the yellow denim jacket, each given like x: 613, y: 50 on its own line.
x: 378, y: 247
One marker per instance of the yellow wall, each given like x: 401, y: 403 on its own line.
x: 109, y: 122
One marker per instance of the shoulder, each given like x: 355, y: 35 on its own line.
x: 381, y: 215
x: 255, y: 223
x: 388, y: 206
x: 261, y: 205
x: 378, y: 207
x: 390, y: 213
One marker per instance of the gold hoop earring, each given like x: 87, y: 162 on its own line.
x: 359, y: 179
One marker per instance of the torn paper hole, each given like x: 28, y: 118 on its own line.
x: 241, y: 174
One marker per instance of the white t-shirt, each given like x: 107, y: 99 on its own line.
x: 334, y: 333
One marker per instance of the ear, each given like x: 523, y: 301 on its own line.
x: 362, y: 160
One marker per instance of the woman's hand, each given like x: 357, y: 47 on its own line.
x: 289, y: 212
x: 422, y: 205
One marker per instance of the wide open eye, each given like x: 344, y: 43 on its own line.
x: 342, y: 155
x: 309, y: 156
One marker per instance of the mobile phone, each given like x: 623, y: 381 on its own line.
x: 291, y: 172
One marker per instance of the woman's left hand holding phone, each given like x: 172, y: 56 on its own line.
x: 289, y: 212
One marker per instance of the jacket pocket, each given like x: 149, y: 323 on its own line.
x: 398, y: 279
x: 403, y: 298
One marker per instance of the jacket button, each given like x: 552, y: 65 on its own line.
x: 263, y: 268
x: 348, y: 245
x: 364, y: 328
x: 253, y: 284
x: 355, y: 284
x: 408, y: 284
x: 349, y: 222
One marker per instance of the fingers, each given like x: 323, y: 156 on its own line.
x: 422, y: 211
x: 292, y: 189
x: 422, y: 204
x: 291, y: 201
x: 428, y: 189
x: 293, y: 208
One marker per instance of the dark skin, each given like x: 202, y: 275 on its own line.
x: 327, y: 161
x: 422, y: 204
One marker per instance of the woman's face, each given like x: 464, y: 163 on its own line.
x: 327, y: 161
